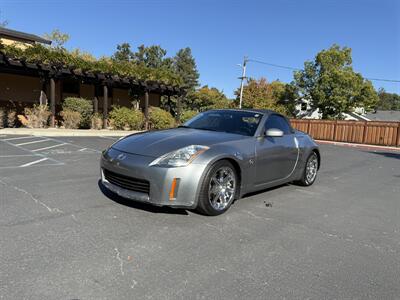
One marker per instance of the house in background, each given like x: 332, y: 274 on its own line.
x: 384, y: 115
x: 20, y: 39
x: 24, y: 84
x: 303, y: 110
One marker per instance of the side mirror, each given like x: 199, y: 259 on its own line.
x: 274, y: 132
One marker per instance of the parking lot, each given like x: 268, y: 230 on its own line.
x: 63, y: 237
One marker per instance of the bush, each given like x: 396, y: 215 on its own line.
x: 81, y: 105
x: 11, y: 118
x: 97, y: 121
x: 160, y: 119
x: 125, y: 118
x: 71, y: 118
x: 36, y: 117
x: 187, y: 115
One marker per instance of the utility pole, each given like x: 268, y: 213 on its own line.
x: 245, y: 59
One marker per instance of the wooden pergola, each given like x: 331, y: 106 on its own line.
x: 51, y: 73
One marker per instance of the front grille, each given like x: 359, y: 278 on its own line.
x: 126, y: 182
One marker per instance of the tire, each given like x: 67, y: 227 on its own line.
x: 310, y: 170
x: 218, y: 189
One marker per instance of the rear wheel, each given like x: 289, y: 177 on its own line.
x: 219, y: 189
x: 310, y: 170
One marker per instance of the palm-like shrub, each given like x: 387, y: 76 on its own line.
x: 36, y: 117
x: 71, y: 119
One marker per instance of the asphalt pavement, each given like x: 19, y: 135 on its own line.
x: 63, y: 237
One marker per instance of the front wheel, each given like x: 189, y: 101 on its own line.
x: 219, y: 189
x: 310, y: 170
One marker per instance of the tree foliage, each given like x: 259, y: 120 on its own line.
x: 331, y: 84
x: 260, y: 94
x: 206, y: 98
x: 388, y: 101
x: 185, y: 66
x: 77, y: 60
x: 58, y: 38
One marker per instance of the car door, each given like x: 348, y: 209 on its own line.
x: 275, y: 156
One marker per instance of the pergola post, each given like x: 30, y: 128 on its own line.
x: 95, y: 104
x: 146, y: 109
x: 105, y: 106
x: 52, y: 102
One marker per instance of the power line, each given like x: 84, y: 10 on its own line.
x: 297, y: 69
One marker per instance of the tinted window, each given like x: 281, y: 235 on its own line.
x: 238, y: 122
x: 278, y: 122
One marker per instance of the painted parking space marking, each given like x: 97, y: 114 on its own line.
x: 49, y: 147
x: 38, y: 157
x: 19, y: 138
x: 33, y: 162
x: 32, y: 142
x: 17, y: 155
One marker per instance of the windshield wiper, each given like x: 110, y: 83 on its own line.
x: 184, y: 126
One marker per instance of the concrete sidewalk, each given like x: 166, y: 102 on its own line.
x: 64, y: 132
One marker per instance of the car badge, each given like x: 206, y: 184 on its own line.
x: 121, y: 156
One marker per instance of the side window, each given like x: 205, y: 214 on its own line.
x: 278, y: 122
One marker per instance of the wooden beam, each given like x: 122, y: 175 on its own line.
x: 146, y: 109
x: 52, y: 102
x: 105, y: 106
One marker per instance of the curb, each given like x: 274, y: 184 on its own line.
x: 360, y: 146
x: 64, y: 132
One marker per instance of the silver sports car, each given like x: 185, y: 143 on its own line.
x: 211, y: 160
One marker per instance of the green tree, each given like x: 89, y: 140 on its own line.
x: 388, y: 101
x: 206, y: 98
x: 332, y: 85
x: 260, y: 94
x: 58, y: 38
x: 152, y: 56
x: 123, y: 53
x: 184, y: 65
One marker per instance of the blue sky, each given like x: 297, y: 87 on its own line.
x: 220, y: 33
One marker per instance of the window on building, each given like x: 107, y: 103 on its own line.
x: 304, y: 106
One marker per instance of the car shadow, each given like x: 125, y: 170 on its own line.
x: 387, y: 154
x: 264, y: 190
x: 139, y: 205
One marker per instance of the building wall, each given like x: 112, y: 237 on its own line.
x: 26, y: 90
x: 19, y: 44
x: 19, y: 88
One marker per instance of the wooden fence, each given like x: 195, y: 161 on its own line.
x: 371, y: 132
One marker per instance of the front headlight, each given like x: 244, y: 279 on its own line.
x: 179, y: 158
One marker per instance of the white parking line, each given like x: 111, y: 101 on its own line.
x: 33, y: 162
x: 49, y: 147
x: 18, y: 138
x: 32, y: 142
x: 18, y: 155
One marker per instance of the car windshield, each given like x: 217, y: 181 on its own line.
x: 237, y: 122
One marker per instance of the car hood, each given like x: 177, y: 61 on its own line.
x: 157, y: 143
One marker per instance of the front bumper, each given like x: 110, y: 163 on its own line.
x: 160, y: 179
